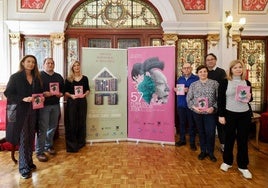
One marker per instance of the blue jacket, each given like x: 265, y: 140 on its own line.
x: 181, y: 99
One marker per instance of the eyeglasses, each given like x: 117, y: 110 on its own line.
x: 186, y: 67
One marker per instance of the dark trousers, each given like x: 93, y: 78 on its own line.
x: 186, y: 117
x: 27, y: 144
x: 237, y: 128
x: 206, y: 130
x: 75, y: 124
x: 220, y: 130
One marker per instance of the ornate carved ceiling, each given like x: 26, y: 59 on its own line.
x: 245, y: 6
x: 32, y: 5
x: 253, y: 5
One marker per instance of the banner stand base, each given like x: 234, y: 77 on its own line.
x: 106, y: 140
x: 162, y: 143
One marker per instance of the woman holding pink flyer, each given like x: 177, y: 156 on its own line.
x: 20, y: 91
x: 235, y: 115
x: 76, y: 91
x: 202, y: 100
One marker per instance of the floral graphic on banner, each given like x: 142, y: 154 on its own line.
x: 150, y: 81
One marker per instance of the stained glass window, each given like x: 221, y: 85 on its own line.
x: 191, y: 51
x: 252, y: 53
x: 125, y: 43
x: 100, y: 43
x: 39, y: 47
x: 72, y: 50
x: 114, y: 14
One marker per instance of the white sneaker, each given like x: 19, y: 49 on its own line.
x: 246, y: 173
x: 225, y: 167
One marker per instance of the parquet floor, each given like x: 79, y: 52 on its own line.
x: 127, y: 164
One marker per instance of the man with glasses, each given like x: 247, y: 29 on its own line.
x: 218, y: 74
x: 184, y: 113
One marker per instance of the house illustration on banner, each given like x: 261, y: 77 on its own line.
x: 105, y: 86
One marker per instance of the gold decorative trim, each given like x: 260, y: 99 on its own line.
x: 236, y: 38
x: 14, y: 38
x: 57, y: 38
x: 213, y: 39
x: 170, y: 38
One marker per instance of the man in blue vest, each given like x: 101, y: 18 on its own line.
x: 184, y: 113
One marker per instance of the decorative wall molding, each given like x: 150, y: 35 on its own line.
x: 213, y: 39
x: 236, y: 38
x: 14, y: 38
x: 253, y: 6
x: 170, y: 39
x: 32, y: 5
x: 57, y: 38
x: 194, y: 6
x: 36, y: 27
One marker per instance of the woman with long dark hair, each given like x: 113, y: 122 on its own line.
x: 19, y: 90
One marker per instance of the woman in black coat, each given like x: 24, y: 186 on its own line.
x: 19, y: 90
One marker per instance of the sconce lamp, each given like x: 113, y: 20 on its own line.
x: 242, y: 22
x: 229, y: 23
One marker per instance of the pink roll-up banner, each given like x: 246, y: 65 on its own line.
x: 151, y: 100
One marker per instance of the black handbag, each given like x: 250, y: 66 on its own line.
x: 12, y: 129
x: 11, y: 112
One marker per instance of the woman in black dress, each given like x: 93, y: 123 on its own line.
x: 76, y: 91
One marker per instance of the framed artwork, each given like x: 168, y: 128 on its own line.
x: 32, y: 5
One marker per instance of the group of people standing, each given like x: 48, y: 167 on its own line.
x: 209, y: 101
x: 20, y: 90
